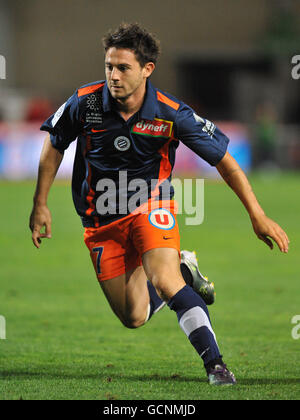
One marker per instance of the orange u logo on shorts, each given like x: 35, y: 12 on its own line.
x: 162, y: 219
x: 165, y: 221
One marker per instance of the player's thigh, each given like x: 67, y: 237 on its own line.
x: 156, y: 237
x: 119, y: 271
x: 128, y: 296
x: 162, y: 267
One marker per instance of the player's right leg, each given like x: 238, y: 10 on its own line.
x: 119, y: 271
x: 128, y: 297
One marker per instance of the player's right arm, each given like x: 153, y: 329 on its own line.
x: 63, y: 128
x: 40, y: 217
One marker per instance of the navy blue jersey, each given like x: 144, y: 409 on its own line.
x: 142, y: 148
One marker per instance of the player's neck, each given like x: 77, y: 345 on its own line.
x: 129, y: 106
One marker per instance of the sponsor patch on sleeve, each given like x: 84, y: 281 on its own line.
x: 155, y: 128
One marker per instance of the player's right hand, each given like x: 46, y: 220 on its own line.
x: 40, y: 217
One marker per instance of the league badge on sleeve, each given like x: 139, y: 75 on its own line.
x: 198, y: 119
x: 208, y: 127
x: 58, y: 114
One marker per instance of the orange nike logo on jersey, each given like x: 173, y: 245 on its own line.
x: 98, y: 131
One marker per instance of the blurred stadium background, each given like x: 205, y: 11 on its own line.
x: 230, y: 60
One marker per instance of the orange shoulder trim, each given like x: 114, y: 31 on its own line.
x: 162, y: 98
x: 89, y: 89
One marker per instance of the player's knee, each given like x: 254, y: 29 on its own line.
x: 159, y: 282
x: 167, y: 284
x: 133, y: 321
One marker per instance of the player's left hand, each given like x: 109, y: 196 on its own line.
x: 265, y: 228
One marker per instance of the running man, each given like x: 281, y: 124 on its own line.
x: 126, y: 126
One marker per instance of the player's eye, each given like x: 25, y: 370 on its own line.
x: 123, y: 68
x: 108, y: 67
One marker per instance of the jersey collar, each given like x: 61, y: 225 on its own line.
x: 148, y: 109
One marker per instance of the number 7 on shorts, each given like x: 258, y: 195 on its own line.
x: 98, y: 249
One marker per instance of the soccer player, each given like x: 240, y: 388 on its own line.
x: 127, y: 133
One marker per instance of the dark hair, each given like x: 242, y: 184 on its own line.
x: 133, y: 37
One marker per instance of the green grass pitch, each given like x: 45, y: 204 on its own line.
x: 63, y: 341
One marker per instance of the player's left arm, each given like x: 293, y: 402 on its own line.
x: 264, y: 227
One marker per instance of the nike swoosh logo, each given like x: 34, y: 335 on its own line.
x: 202, y: 354
x: 166, y: 238
x: 97, y: 131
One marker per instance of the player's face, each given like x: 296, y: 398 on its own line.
x: 124, y: 74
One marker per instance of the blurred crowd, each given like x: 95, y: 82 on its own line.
x: 16, y: 106
x: 267, y: 145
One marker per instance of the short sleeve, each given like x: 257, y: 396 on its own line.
x: 201, y: 135
x: 64, y: 125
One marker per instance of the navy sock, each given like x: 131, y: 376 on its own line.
x: 193, y: 318
x: 185, y: 272
x: 155, y: 301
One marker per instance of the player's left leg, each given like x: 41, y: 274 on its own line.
x: 156, y: 237
x: 192, y: 276
x: 162, y: 267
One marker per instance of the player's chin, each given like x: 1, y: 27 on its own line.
x: 120, y: 97
x: 120, y: 94
x: 116, y: 93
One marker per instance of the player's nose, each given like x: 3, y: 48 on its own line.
x: 115, y: 75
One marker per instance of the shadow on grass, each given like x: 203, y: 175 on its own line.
x: 110, y: 376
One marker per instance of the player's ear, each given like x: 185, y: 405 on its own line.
x: 148, y: 69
